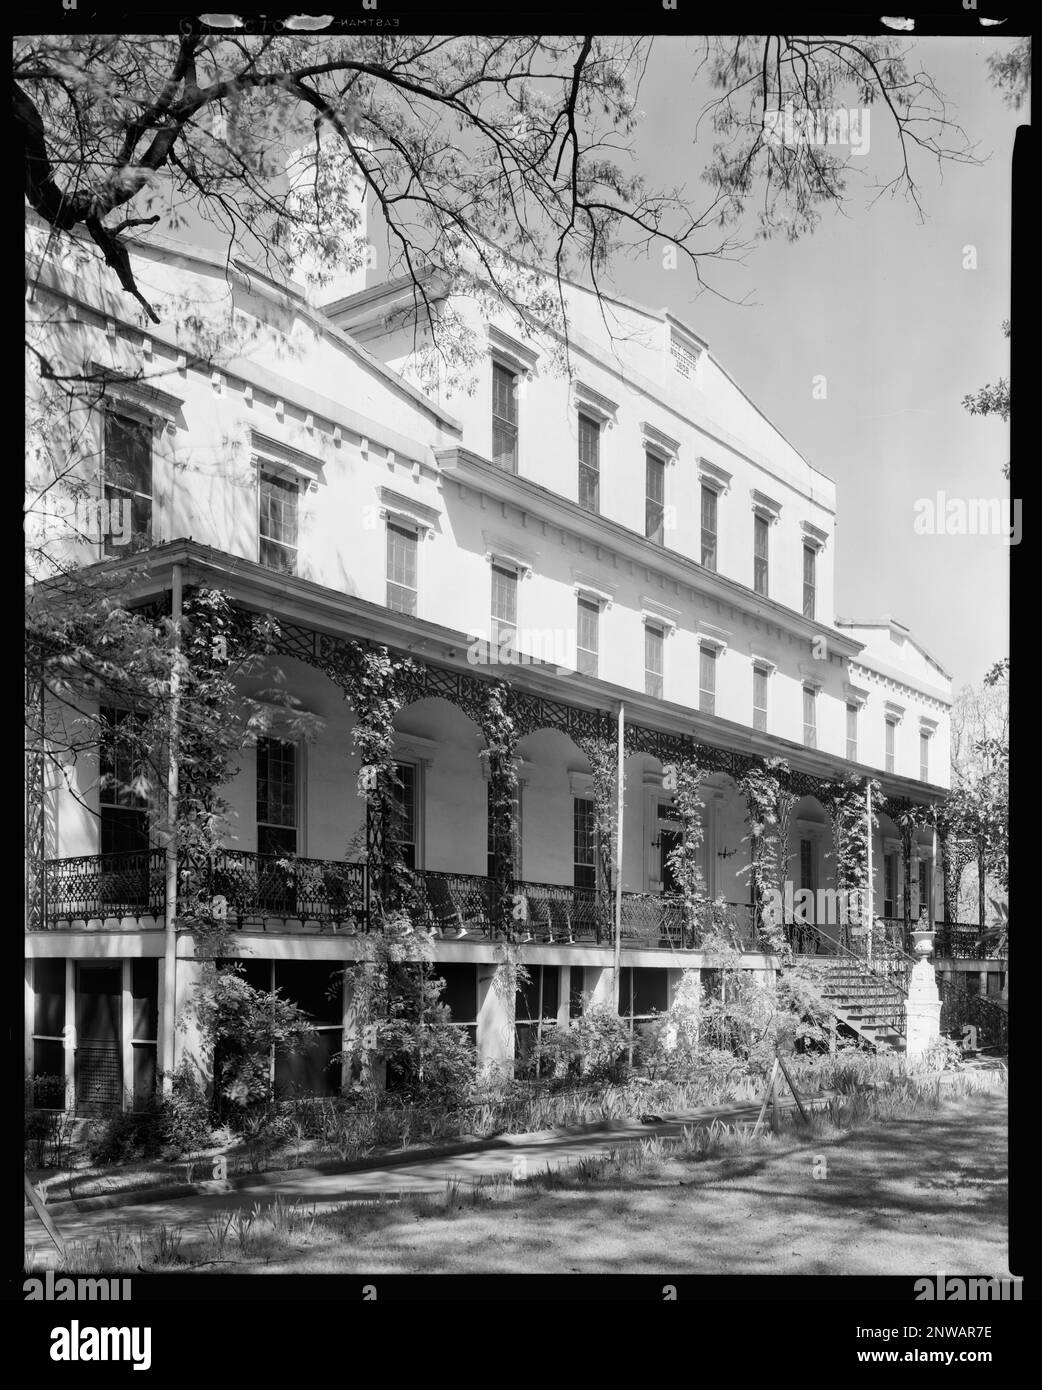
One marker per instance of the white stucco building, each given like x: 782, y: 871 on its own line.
x: 647, y: 540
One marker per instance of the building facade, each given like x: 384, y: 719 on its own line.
x: 630, y: 549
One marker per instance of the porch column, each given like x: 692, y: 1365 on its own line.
x: 495, y: 1022
x: 190, y: 1045
x: 500, y: 734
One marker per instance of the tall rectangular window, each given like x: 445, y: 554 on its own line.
x: 405, y: 799
x: 122, y: 809
x: 276, y: 796
x: 924, y: 887
x: 891, y: 737
x: 584, y: 843
x: 890, y: 885
x: 852, y: 733
x: 810, y: 717
x: 279, y: 503
x: 760, y: 698
x: 807, y: 864
x: 708, y: 528
x: 504, y: 418
x: 128, y: 478
x: 809, y: 560
x: 504, y: 606
x: 653, y: 654
x: 924, y: 757
x: 587, y: 636
x: 654, y: 498
x: 401, y: 568
x: 707, y: 680
x: 515, y: 835
x: 760, y: 530
x: 589, y: 463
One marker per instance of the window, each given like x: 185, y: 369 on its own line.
x: 809, y: 558
x: 924, y: 757
x: 653, y: 652
x: 279, y: 502
x: 276, y: 797
x: 810, y: 717
x: 587, y: 635
x: 584, y: 841
x: 852, y: 733
x: 589, y: 463
x: 504, y: 606
x: 891, y: 734
x: 654, y: 498
x: 890, y: 885
x: 708, y: 528
x: 515, y: 834
x: 760, y: 529
x: 537, y: 1002
x: 49, y: 1032
x: 123, y: 811
x: 760, y: 698
x: 405, y: 800
x: 128, y: 478
x: 707, y: 680
x: 401, y: 568
x: 642, y: 994
x: 504, y: 418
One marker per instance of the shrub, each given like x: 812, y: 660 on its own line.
x: 595, y: 1047
x: 186, y: 1113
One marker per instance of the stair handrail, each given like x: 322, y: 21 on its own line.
x: 835, y: 947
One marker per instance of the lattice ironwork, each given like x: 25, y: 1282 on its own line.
x: 256, y: 887
x: 35, y: 877
x: 99, y: 1076
x: 961, y: 1009
x: 105, y: 885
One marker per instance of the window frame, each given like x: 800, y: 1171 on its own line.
x: 762, y: 674
x: 578, y: 818
x: 761, y: 563
x: 889, y: 745
x: 504, y: 423
x: 924, y: 756
x: 147, y: 424
x: 707, y: 693
x: 590, y: 605
x: 654, y: 461
x: 709, y: 536
x: 853, y: 711
x: 657, y: 630
x: 265, y: 823
x: 499, y: 625
x: 403, y: 526
x: 810, y: 727
x: 289, y: 484
x: 810, y: 587
x: 590, y: 422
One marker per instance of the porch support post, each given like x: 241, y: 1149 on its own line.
x: 500, y: 736
x: 870, y: 910
x: 620, y: 789
x: 168, y: 1013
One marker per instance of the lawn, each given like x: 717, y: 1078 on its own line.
x: 922, y: 1191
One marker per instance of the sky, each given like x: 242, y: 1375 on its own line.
x: 880, y: 303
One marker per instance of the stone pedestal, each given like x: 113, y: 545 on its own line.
x: 923, y: 1009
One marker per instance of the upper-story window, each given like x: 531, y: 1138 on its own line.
x: 924, y: 757
x: 276, y: 796
x: 588, y: 635
x: 654, y: 497
x: 891, y: 738
x: 709, y: 501
x: 810, y: 716
x: 654, y: 644
x: 123, y: 810
x: 760, y: 675
x: 707, y: 680
x: 406, y: 796
x: 810, y: 556
x: 278, y: 522
x: 589, y: 463
x: 504, y: 605
x: 127, y: 480
x: 852, y: 733
x: 504, y: 417
x: 584, y: 843
x: 761, y: 530
x: 402, y: 549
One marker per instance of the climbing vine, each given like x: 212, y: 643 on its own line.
x: 500, y: 733
x: 846, y: 804
x: 768, y: 808
x: 603, y: 756
x: 684, y: 779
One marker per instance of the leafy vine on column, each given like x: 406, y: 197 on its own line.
x: 763, y: 784
x: 603, y: 755
x: 684, y: 778
x: 499, y: 729
x: 845, y: 802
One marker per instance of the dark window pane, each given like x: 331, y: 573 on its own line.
x: 649, y: 991
x: 144, y: 986
x: 311, y: 1071
x: 99, y: 995
x: 49, y: 1060
x: 314, y: 986
x: 460, y: 992
x: 49, y: 988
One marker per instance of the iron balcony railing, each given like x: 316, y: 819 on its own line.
x: 960, y: 1009
x: 966, y: 941
x: 246, y: 888
x: 104, y: 885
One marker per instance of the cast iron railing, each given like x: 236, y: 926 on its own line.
x: 256, y: 887
x: 966, y: 941
x: 104, y: 885
x: 961, y: 1009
